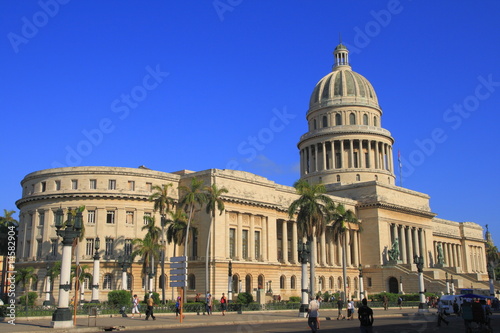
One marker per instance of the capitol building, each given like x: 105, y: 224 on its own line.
x: 345, y: 148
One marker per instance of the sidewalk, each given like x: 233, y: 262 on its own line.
x: 42, y: 324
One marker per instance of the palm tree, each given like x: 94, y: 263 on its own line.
x: 176, y: 228
x: 25, y: 275
x: 153, y: 233
x: 148, y: 249
x: 82, y: 272
x: 310, y: 208
x: 53, y: 272
x: 342, y: 221
x: 492, y: 257
x: 193, y: 196
x: 7, y: 222
x: 214, y: 203
x: 162, y: 204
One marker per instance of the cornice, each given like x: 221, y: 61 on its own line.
x: 86, y: 195
x: 396, y: 208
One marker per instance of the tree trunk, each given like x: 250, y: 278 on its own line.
x: 312, y: 268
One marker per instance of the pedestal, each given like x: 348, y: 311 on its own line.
x: 62, y: 318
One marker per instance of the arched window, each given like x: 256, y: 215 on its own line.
x: 338, y: 119
x: 191, y: 282
x: 376, y: 177
x: 338, y: 178
x: 260, y: 281
x: 365, y: 119
x: 375, y: 122
x: 332, y: 283
x: 236, y: 283
x: 358, y: 178
x: 163, y: 281
x: 248, y: 283
x: 34, y: 283
x: 325, y: 121
x: 352, y: 119
x: 293, y: 282
x: 348, y: 282
x: 282, y: 282
x: 107, y: 282
x: 321, y: 286
x: 339, y: 282
x: 314, y: 122
x: 356, y: 284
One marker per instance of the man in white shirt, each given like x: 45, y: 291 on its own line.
x: 313, y: 314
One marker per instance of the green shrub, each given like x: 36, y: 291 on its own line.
x: 295, y: 299
x: 119, y: 298
x: 32, y: 296
x: 244, y: 298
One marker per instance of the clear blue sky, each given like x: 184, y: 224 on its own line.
x: 186, y: 85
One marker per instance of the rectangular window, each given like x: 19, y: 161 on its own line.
x: 244, y: 244
x: 43, y: 187
x: 112, y: 184
x: 128, y: 247
x: 109, y: 247
x: 74, y: 184
x: 30, y: 220
x: 41, y: 218
x: 28, y: 248
x: 57, y: 185
x: 89, y: 248
x: 53, y: 247
x: 131, y: 185
x: 257, y: 244
x: 93, y: 184
x: 146, y: 218
x: 110, y: 217
x: 369, y: 282
x: 232, y: 243
x: 130, y: 217
x: 39, y: 249
x: 149, y: 187
x: 91, y: 216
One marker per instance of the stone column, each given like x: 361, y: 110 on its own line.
x: 323, y: 145
x: 251, y: 239
x: 323, y: 249
x: 239, y: 237
x: 284, y: 244
x: 351, y: 153
x: 410, y: 243
x: 339, y: 252
x: 415, y: 239
x: 342, y: 164
x: 331, y: 247
x: 295, y: 240
x: 362, y: 160
x: 356, y: 249
x: 422, y: 247
x: 226, y: 221
x: 403, y: 245
x: 348, y: 249
x: 265, y: 256
x: 316, y: 157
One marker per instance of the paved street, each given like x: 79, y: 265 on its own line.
x: 393, y: 320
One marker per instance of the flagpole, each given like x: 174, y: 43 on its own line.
x: 400, y: 169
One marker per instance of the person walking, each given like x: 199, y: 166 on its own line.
x: 178, y: 306
x: 135, y: 306
x: 400, y: 302
x: 365, y: 316
x: 209, y: 304
x: 350, y: 308
x: 150, y: 307
x: 313, y: 315
x: 223, y: 304
x: 441, y: 314
x: 386, y: 302
x: 340, y: 305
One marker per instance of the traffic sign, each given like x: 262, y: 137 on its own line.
x: 178, y: 265
x: 178, y: 278
x: 178, y: 271
x: 180, y: 284
x: 178, y: 259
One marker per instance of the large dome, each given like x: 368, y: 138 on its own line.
x: 342, y: 86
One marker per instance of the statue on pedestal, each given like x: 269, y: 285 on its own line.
x: 394, y: 251
x: 440, y: 256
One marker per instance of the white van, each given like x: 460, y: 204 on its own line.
x: 447, y: 301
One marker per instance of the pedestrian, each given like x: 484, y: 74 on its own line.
x: 223, y: 304
x: 400, y: 302
x: 209, y: 304
x: 365, y: 316
x: 178, y: 306
x: 340, y: 305
x: 441, y: 314
x: 150, y: 307
x: 313, y: 315
x: 135, y: 306
x: 386, y: 302
x: 349, y: 310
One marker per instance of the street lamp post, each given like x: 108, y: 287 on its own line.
x: 47, y: 286
x: 61, y: 318
x: 95, y: 277
x: 419, y: 261
x: 452, y: 288
x: 125, y: 263
x: 401, y: 291
x: 151, y: 275
x: 230, y: 282
x: 361, y: 286
x: 304, y: 256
